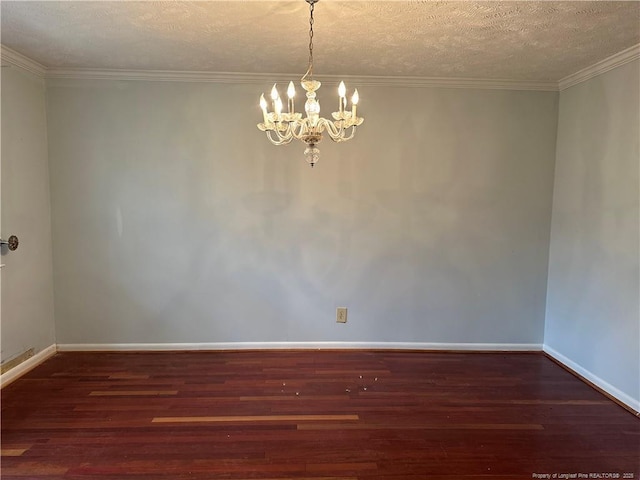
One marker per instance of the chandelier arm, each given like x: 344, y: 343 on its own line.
x: 300, y: 128
x: 335, y: 131
x: 343, y: 138
x: 339, y: 134
x: 279, y: 141
x: 283, y: 134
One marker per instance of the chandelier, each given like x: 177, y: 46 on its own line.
x: 282, y: 127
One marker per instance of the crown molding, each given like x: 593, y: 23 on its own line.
x: 262, y: 78
x: 16, y: 59
x: 163, y: 75
x: 443, y: 82
x: 616, y: 60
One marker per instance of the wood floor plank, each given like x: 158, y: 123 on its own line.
x: 12, y: 452
x: 255, y: 418
x: 131, y: 393
x: 441, y: 426
x: 127, y: 376
x: 284, y: 398
x: 321, y: 415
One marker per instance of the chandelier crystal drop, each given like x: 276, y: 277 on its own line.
x: 282, y: 127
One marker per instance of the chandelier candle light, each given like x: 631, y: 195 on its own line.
x: 282, y: 127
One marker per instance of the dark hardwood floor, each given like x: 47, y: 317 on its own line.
x: 312, y: 415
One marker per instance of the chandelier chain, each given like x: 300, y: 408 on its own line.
x: 311, y: 8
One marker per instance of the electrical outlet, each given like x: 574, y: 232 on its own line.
x: 341, y: 315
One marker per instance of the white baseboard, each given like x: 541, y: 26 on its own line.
x: 622, y: 397
x: 19, y: 370
x: 471, y: 347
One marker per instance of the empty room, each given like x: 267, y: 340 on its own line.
x: 324, y: 240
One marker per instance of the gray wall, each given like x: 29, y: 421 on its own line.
x: 27, y: 285
x: 174, y: 220
x: 593, y: 313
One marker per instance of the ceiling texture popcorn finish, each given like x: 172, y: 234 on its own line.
x: 522, y: 41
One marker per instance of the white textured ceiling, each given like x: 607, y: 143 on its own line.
x: 529, y: 41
